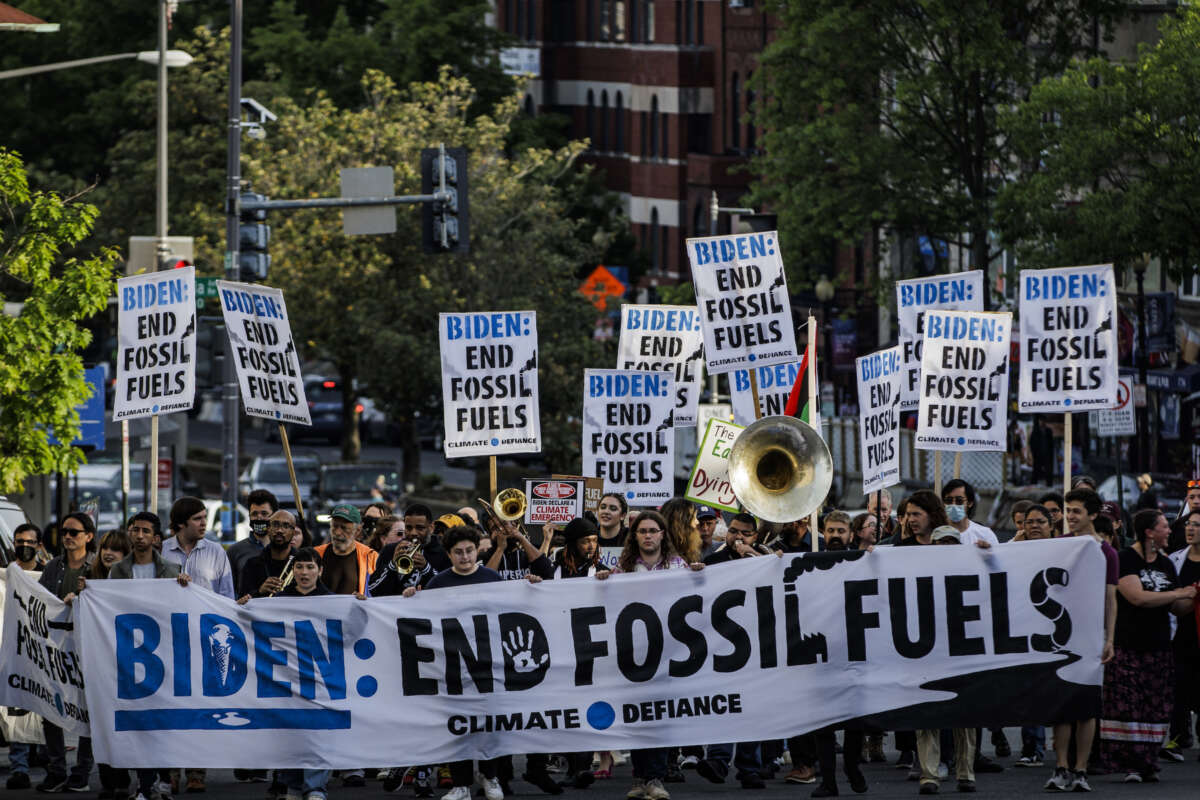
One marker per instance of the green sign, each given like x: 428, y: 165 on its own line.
x: 205, y: 288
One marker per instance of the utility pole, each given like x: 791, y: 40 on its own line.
x: 233, y: 180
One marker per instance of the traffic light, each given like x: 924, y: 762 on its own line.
x: 445, y: 224
x: 254, y: 235
x: 210, y: 352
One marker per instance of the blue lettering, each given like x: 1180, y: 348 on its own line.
x: 130, y: 655
x: 453, y: 328
x: 266, y: 658
x: 332, y: 664
x: 181, y: 645
x: 758, y: 246
x: 702, y: 254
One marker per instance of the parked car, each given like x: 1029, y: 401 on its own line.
x: 213, y: 529
x: 11, y: 517
x: 355, y: 484
x: 271, y: 473
x: 324, y: 396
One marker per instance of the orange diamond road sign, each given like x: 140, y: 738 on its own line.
x: 601, y: 285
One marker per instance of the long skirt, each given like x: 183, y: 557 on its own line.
x: 1136, y: 709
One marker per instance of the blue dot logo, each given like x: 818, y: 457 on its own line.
x: 495, y: 442
x: 1067, y: 402
x: 752, y: 357
x: 367, y: 686
x: 962, y: 440
x: 364, y: 648
x: 278, y: 415
x: 600, y: 715
x: 629, y: 495
x: 155, y: 409
x: 58, y: 704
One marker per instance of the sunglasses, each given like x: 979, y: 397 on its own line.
x: 73, y: 531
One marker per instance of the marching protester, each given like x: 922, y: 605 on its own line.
x: 263, y: 576
x: 113, y: 547
x: 923, y: 514
x: 793, y: 538
x: 261, y: 505
x: 864, y: 531
x: 1186, y: 648
x: 371, y: 515
x: 1053, y: 501
x: 682, y: 528
x: 1037, y: 523
x: 707, y: 519
x: 27, y: 540
x: 1017, y: 515
x: 62, y: 577
x: 740, y: 542
x: 347, y: 562
x: 1139, y: 681
x: 418, y: 527
x: 887, y: 525
x: 610, y: 516
x: 388, y: 530
x: 513, y: 555
x: 1178, y: 538
x: 958, y: 496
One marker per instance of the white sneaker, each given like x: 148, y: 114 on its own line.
x: 458, y: 793
x: 656, y: 791
x: 637, y: 791
x: 140, y: 796
x: 491, y: 788
x: 688, y: 762
x: 162, y: 789
x: 943, y: 771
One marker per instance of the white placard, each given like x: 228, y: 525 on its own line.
x: 665, y: 338
x: 964, y: 381
x: 962, y: 291
x: 774, y: 385
x: 709, y: 482
x: 40, y: 660
x: 628, y: 436
x: 181, y: 676
x: 156, y: 348
x: 549, y: 500
x: 490, y: 383
x: 741, y: 291
x: 1068, y: 340
x: 1120, y: 420
x: 263, y: 352
x: 880, y: 381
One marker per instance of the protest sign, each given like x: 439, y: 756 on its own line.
x: 156, y: 344
x: 709, y: 482
x: 880, y: 381
x: 774, y: 384
x: 628, y: 436
x: 707, y: 411
x: 552, y: 501
x: 490, y: 383
x: 659, y: 338
x: 741, y: 291
x: 964, y: 381
x: 962, y: 291
x: 1121, y: 419
x: 1068, y: 339
x: 609, y: 556
x: 593, y: 490
x: 641, y: 660
x: 263, y: 352
x: 40, y: 659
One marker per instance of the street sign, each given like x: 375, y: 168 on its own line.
x: 601, y: 285
x: 165, y: 470
x: 1120, y: 419
x: 205, y: 288
x: 368, y: 182
x: 91, y: 413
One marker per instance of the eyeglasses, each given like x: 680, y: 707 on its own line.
x: 73, y: 531
x: 280, y: 526
x: 649, y: 530
x: 955, y: 501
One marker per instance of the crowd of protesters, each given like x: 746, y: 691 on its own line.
x: 1151, y: 651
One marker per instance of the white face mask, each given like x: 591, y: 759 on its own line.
x: 956, y: 513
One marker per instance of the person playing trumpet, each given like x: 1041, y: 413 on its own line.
x: 262, y: 576
x: 513, y: 555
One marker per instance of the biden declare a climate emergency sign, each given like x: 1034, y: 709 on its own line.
x: 742, y: 295
x: 490, y: 383
x: 178, y: 675
x: 628, y: 433
x: 156, y: 349
x: 1068, y: 339
x: 263, y: 352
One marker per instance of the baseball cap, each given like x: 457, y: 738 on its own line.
x: 704, y: 512
x: 347, y: 512
x: 450, y: 520
x: 1111, y: 510
x: 945, y: 532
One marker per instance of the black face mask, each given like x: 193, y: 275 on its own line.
x: 258, y: 527
x: 26, y: 552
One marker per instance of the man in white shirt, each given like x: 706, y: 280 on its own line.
x: 959, y: 498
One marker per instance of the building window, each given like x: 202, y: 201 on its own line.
x: 654, y: 126
x: 511, y: 15
x: 648, y: 20
x: 699, y: 228
x: 751, y: 133
x: 603, y: 142
x: 689, y: 21
x: 590, y: 22
x: 645, y: 134
x: 619, y: 124
x: 619, y: 21
x: 678, y: 21
x: 655, y: 256
x: 531, y: 20
x: 606, y: 20
x: 699, y: 24
x: 590, y: 119
x: 666, y: 139
x: 735, y: 107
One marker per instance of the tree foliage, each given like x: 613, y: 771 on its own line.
x: 1114, y: 157
x: 884, y: 113
x: 41, y: 373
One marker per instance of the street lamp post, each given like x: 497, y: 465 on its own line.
x: 1139, y: 271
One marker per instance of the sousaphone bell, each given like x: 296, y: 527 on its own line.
x: 780, y: 469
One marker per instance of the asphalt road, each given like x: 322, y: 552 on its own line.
x: 1178, y: 781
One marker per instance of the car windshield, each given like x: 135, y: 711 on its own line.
x: 319, y: 393
x: 360, y: 480
x: 277, y: 472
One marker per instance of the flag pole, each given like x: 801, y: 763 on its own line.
x: 814, y: 416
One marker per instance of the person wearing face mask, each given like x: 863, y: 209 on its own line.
x: 959, y: 498
x: 27, y: 539
x: 262, y: 505
x: 262, y: 576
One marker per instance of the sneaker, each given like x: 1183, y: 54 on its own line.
x: 77, y: 784
x: 354, y: 780
x: 1081, y: 781
x: 423, y: 782
x: 752, y: 781
x: 444, y: 781
x: 801, y: 775
x: 688, y: 762
x: 1060, y: 781
x: 1133, y: 777
x: 491, y: 787
x: 1150, y: 776
x: 637, y: 791
x: 1028, y: 761
x: 162, y: 789
x: 18, y: 780
x: 458, y: 793
x: 914, y: 774
x: 943, y: 771
x: 965, y: 785
x: 712, y: 771
x: 1170, y: 752
x: 824, y: 791
x: 315, y: 794
x: 393, y: 779
x: 858, y: 782
x: 906, y: 759
x: 543, y: 781
x: 985, y: 764
x: 1000, y: 742
x: 656, y: 791
x: 928, y: 787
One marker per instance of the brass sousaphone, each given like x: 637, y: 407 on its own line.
x: 780, y: 469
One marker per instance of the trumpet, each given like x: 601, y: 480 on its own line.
x: 403, y: 560
x: 285, y: 577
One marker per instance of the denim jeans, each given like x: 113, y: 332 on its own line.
x: 303, y: 781
x: 56, y: 753
x: 747, y: 759
x: 1033, y: 741
x: 18, y: 757
x: 650, y: 763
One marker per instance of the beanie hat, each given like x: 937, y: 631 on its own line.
x: 184, y: 509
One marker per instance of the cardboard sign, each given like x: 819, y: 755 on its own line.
x: 490, y: 383
x: 552, y: 501
x: 964, y: 381
x: 880, y: 382
x: 774, y: 385
x: 709, y: 482
x: 665, y: 338
x: 742, y: 295
x: 1121, y: 419
x: 962, y: 291
x: 628, y: 436
x: 263, y: 352
x: 156, y: 347
x: 1068, y: 340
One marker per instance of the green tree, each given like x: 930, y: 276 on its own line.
x: 1114, y: 158
x: 41, y: 373
x: 883, y: 114
x: 369, y: 304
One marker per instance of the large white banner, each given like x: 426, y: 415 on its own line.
x: 40, y: 664
x: 741, y: 291
x: 949, y: 637
x: 659, y: 338
x: 628, y: 434
x: 263, y: 351
x: 490, y: 383
x: 964, y: 381
x: 1068, y: 339
x: 156, y: 344
x: 774, y: 385
x: 880, y: 378
x: 962, y: 291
